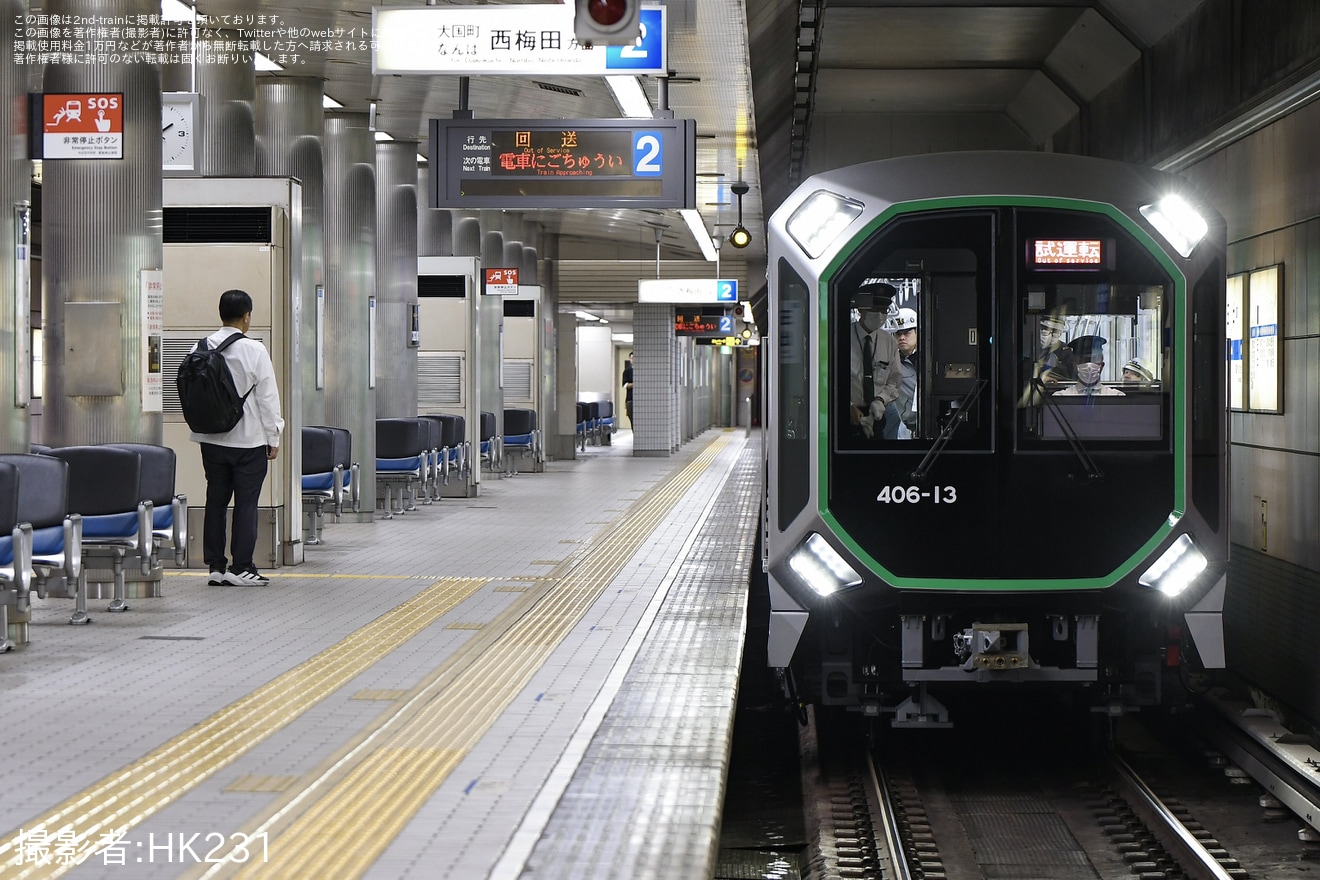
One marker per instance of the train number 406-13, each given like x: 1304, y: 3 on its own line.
x: 916, y: 495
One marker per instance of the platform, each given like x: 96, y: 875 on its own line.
x: 536, y: 682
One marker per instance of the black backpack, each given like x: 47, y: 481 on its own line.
x: 211, y: 404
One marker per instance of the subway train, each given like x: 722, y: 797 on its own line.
x: 1045, y: 505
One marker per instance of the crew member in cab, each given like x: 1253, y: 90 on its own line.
x: 904, y: 327
x: 1056, y: 363
x: 1089, y: 352
x: 876, y: 376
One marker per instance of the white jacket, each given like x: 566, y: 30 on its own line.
x: 250, y: 365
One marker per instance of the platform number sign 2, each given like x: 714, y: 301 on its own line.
x: 648, y: 153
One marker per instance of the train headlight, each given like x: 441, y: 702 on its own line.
x: 1176, y: 568
x: 1178, y: 222
x: 821, y: 219
x: 821, y: 567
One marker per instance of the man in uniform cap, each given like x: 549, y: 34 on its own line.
x: 876, y: 376
x: 1090, y: 354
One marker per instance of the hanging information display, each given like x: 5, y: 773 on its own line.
x: 563, y: 163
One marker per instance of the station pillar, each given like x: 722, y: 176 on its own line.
x: 290, y: 126
x: 101, y: 231
x: 655, y: 396
x: 350, y: 288
x: 16, y: 304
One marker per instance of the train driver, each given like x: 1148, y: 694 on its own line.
x: 876, y: 375
x: 1056, y: 363
x: 1090, y: 354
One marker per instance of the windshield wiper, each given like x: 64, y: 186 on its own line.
x: 954, y: 422
x: 1093, y: 471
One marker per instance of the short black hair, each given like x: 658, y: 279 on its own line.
x: 234, y: 304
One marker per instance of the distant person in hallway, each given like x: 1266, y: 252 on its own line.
x: 628, y: 387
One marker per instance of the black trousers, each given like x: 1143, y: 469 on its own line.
x: 238, y: 474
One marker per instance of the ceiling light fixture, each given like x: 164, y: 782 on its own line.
x: 692, y: 217
x: 740, y: 237
x: 630, y: 96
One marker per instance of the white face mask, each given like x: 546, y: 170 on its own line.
x: 1089, y: 374
x: 872, y: 320
x: 1048, y: 338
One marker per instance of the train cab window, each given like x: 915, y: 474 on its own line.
x: 911, y: 336
x: 1093, y: 362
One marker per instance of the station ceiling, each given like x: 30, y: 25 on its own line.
x: 778, y: 89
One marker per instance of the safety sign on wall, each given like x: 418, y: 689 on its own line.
x: 82, y: 126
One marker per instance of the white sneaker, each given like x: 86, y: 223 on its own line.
x: 245, y: 578
x: 217, y: 579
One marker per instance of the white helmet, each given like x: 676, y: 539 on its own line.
x: 905, y: 319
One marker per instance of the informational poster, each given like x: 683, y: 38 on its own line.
x: 22, y: 304
x: 1233, y: 327
x: 371, y: 342
x: 320, y: 336
x: 1263, y: 320
x: 152, y: 286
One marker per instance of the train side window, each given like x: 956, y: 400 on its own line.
x: 794, y: 399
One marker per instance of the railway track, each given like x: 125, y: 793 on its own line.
x: 1057, y: 804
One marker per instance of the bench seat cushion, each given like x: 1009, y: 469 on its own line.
x: 398, y: 465
x: 48, y: 541
x: 110, y: 525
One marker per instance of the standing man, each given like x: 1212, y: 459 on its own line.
x: 235, y: 461
x: 874, y: 364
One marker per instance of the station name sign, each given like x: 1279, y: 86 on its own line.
x: 563, y: 163
x: 514, y: 40
x: 687, y: 290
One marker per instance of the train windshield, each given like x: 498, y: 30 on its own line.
x: 913, y: 318
x: 1093, y: 362
x: 1093, y: 331
x: 961, y: 330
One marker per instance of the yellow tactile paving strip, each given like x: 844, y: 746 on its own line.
x: 117, y: 803
x: 383, y: 788
x: 343, y: 832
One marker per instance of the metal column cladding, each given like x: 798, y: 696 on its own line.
x: 350, y: 286
x: 435, y: 226
x: 467, y: 237
x: 16, y: 185
x: 396, y: 278
x: 103, y: 228
x: 228, y: 82
x: 290, y: 125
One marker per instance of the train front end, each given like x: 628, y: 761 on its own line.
x: 1049, y: 509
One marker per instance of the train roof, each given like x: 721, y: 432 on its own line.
x: 1002, y: 172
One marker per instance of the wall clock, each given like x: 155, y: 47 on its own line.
x: 180, y: 121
